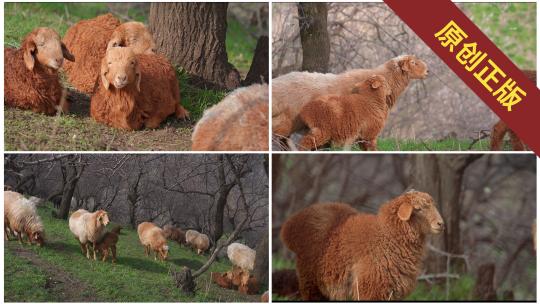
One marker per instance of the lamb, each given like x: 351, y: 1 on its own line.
x: 237, y: 123
x: 31, y: 73
x: 174, y: 234
x: 241, y: 256
x: 198, y: 241
x: 292, y: 91
x: 135, y: 90
x: 88, y: 228
x: 89, y: 40
x: 152, y: 238
x: 21, y: 218
x: 345, y: 255
x: 108, y: 243
x: 343, y: 119
x: 500, y: 129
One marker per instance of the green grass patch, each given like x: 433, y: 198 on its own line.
x: 240, y: 45
x: 459, y: 290
x: 135, y: 277
x: 390, y: 144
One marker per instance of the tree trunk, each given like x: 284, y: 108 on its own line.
x: 314, y: 36
x: 221, y: 201
x: 192, y: 35
x: 260, y: 270
x: 441, y: 176
x: 483, y: 287
x: 258, y: 72
x: 72, y: 178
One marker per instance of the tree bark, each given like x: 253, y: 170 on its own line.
x: 258, y: 72
x: 192, y: 35
x: 260, y: 270
x: 483, y: 287
x: 314, y: 36
x: 74, y: 170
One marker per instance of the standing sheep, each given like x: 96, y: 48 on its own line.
x: 89, y: 39
x: 198, y: 241
x: 21, y: 218
x: 345, y: 255
x: 238, y: 123
x: 344, y: 119
x: 153, y: 238
x: 135, y: 91
x: 292, y: 91
x: 31, y: 73
x: 241, y: 256
x: 174, y: 234
x: 88, y: 228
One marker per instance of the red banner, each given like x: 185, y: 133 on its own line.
x: 477, y: 61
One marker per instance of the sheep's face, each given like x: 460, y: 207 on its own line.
x: 44, y: 45
x: 102, y: 218
x: 120, y: 68
x: 38, y: 237
x: 164, y: 252
x: 134, y: 35
x: 376, y: 83
x: 414, y: 67
x: 420, y: 208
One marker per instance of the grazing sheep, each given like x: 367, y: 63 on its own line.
x: 249, y: 285
x: 174, y: 234
x: 88, y: 228
x: 242, y: 256
x: 285, y: 283
x: 292, y: 91
x: 344, y: 119
x: 31, y: 73
x: 21, y: 218
x: 221, y: 279
x: 197, y: 240
x: 108, y: 243
x: 89, y: 39
x: 152, y: 238
x: 345, y: 255
x: 500, y: 129
x: 135, y: 91
x: 238, y: 123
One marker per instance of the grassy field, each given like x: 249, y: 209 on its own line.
x: 59, y: 272
x: 77, y: 131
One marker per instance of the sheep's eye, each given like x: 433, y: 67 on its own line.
x: 133, y: 63
x: 109, y: 63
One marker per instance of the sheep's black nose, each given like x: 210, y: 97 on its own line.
x: 59, y: 61
x: 122, y: 77
x: 440, y: 224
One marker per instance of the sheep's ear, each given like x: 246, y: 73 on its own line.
x: 405, y: 211
x: 104, y: 71
x: 404, y: 64
x: 138, y: 78
x: 66, y: 53
x: 113, y: 43
x: 28, y: 54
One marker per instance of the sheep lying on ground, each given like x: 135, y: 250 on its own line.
x: 152, y: 238
x: 238, y: 123
x: 174, y: 234
x: 89, y: 39
x: 31, y: 73
x: 88, y: 228
x: 344, y: 119
x: 197, y: 241
x: 292, y: 91
x: 500, y: 129
x: 135, y: 91
x: 345, y: 255
x: 241, y: 255
x: 108, y: 243
x: 21, y: 218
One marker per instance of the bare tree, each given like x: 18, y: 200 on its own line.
x: 314, y: 36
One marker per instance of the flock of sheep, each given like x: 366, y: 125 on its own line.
x: 130, y: 84
x: 89, y: 229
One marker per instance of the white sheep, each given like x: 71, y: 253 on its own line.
x: 88, y: 228
x: 241, y: 255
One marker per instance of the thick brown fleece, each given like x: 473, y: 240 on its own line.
x: 345, y: 255
x: 344, y: 119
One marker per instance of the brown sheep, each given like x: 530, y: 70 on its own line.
x: 238, y: 123
x: 285, y: 283
x: 89, y: 40
x: 152, y: 238
x: 31, y: 73
x: 344, y: 119
x: 500, y: 129
x: 342, y: 254
x: 21, y: 218
x: 292, y: 91
x: 174, y: 234
x: 135, y: 91
x: 108, y: 243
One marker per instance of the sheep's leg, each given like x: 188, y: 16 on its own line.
x: 29, y: 238
x: 180, y: 112
x: 19, y: 236
x: 94, y: 250
x: 497, y: 135
x: 371, y: 145
x: 113, y: 253
x: 87, y: 250
x: 307, y: 284
x: 155, y: 256
x: 517, y: 144
x: 105, y: 254
x: 313, y: 139
x: 83, y: 248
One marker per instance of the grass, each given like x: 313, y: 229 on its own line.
x: 389, y: 144
x: 77, y: 131
x: 135, y: 277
